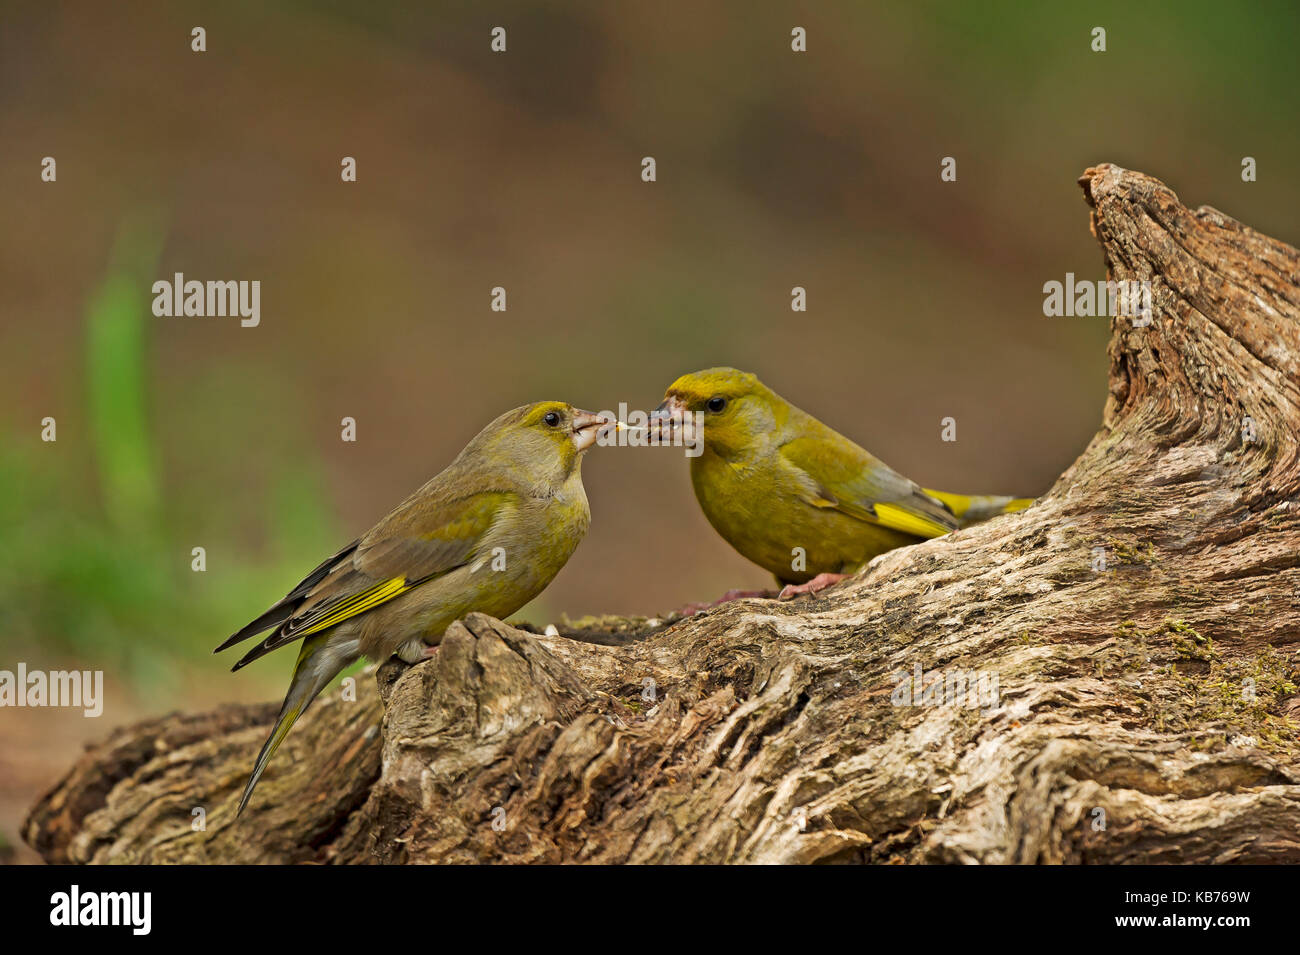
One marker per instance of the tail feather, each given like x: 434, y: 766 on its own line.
x: 973, y: 508
x: 318, y: 663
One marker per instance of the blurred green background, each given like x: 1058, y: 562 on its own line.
x: 522, y: 170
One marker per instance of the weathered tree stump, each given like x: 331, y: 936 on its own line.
x: 1145, y: 711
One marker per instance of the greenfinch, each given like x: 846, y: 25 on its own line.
x: 795, y: 497
x: 487, y: 534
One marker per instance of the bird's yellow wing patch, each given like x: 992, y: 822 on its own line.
x: 360, y: 603
x: 900, y: 518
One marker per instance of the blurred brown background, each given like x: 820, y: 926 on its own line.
x: 522, y: 169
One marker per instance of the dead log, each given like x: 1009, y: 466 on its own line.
x: 1140, y: 622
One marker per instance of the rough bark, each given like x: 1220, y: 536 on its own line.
x: 1145, y: 711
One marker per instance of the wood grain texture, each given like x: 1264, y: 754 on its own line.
x: 1146, y: 713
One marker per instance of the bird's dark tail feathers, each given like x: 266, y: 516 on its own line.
x: 317, y: 665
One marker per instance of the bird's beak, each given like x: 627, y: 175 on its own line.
x: 671, y: 421
x: 587, y: 427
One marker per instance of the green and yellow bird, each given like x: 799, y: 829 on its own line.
x: 487, y: 534
x: 791, y: 494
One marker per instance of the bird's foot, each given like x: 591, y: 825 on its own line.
x: 818, y: 583
x: 415, y: 650
x: 691, y: 609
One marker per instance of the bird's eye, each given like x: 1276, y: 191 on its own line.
x: 716, y: 404
x: 552, y: 418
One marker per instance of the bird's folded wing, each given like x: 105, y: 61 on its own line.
x: 843, y: 476
x: 421, y: 540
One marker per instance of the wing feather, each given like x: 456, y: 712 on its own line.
x: 843, y: 476
x: 431, y: 533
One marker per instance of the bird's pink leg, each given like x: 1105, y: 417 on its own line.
x: 820, y: 582
x: 430, y: 651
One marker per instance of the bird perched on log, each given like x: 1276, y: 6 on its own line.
x: 487, y: 534
x: 794, y: 496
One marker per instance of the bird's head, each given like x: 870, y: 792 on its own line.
x: 545, y: 440
x: 728, y: 410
